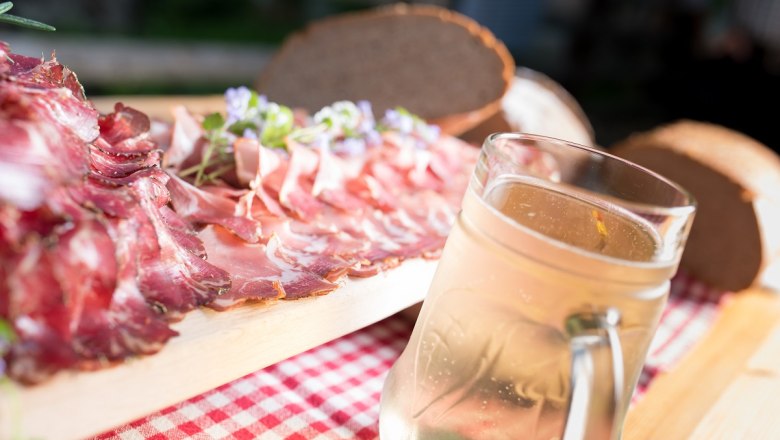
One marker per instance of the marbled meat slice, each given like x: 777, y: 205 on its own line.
x: 88, y: 244
x: 127, y: 326
x: 201, y: 208
x: 172, y: 278
x: 259, y: 271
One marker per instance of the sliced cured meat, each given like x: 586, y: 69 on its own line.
x: 55, y: 92
x: 182, y: 232
x: 112, y: 165
x: 296, y: 191
x: 259, y: 272
x: 126, y: 132
x: 93, y: 262
x: 171, y: 277
x: 200, y: 208
x: 37, y: 153
x: 77, y: 305
x: 185, y: 138
x: 127, y: 325
x: 97, y: 195
x: 330, y: 182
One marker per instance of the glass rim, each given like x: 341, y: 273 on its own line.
x: 688, y: 206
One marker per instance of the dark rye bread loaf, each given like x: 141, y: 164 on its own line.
x: 536, y: 104
x: 735, y: 240
x: 438, y: 64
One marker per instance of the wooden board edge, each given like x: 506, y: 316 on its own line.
x: 678, y: 400
x: 159, y: 107
x: 213, y: 348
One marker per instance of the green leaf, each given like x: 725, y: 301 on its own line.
x: 254, y: 100
x: 214, y: 121
x: 238, y: 127
x: 278, y: 124
x: 5, y: 7
x: 6, y: 331
x: 403, y: 111
x: 25, y: 22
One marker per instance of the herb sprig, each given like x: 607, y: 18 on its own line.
x: 217, y: 156
x: 21, y: 21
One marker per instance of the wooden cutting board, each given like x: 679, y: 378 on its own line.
x: 159, y: 107
x: 213, y: 347
x: 727, y: 387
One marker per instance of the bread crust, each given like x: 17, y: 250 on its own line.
x: 536, y: 104
x: 272, y: 79
x: 735, y: 180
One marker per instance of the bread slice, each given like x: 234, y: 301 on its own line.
x: 735, y: 239
x: 438, y: 64
x: 536, y: 104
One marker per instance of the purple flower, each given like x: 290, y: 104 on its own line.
x: 373, y: 138
x: 249, y: 133
x: 237, y: 103
x: 322, y: 140
x: 350, y: 147
x: 402, y: 122
x: 368, y: 113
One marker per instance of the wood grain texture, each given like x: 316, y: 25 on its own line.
x: 159, y: 107
x: 748, y: 408
x: 213, y: 348
x: 727, y: 387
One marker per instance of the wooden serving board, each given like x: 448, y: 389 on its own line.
x: 213, y: 348
x: 727, y: 387
x: 159, y: 107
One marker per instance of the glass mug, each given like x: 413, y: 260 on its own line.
x: 545, y: 300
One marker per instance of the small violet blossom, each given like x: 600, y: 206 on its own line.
x: 412, y: 126
x: 367, y: 127
x: 394, y: 119
x: 345, y: 127
x: 350, y: 146
x: 237, y: 103
x: 249, y: 134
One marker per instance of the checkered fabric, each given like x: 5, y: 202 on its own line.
x: 332, y: 391
x: 689, y: 313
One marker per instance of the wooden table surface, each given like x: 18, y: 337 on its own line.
x: 727, y: 387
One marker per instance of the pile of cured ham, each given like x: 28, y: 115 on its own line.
x: 105, y: 239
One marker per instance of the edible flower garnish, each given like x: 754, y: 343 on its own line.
x: 344, y: 127
x: 250, y: 115
x: 407, y: 123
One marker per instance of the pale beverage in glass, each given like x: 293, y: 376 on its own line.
x: 545, y: 300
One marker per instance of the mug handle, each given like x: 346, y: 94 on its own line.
x: 596, y: 376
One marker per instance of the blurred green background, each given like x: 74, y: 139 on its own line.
x: 631, y: 65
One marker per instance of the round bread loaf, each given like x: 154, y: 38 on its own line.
x: 735, y: 239
x: 440, y: 65
x: 536, y: 104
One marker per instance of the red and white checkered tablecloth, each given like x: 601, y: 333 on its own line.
x: 332, y: 391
